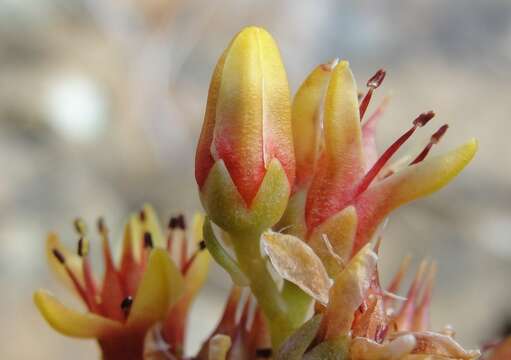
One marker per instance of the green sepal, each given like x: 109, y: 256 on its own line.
x: 297, y: 343
x: 226, y: 208
x: 221, y: 256
x: 335, y: 349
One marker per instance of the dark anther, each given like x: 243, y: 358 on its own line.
x: 202, y: 245
x: 423, y: 118
x: 59, y: 256
x: 148, y: 240
x: 265, y: 353
x: 376, y: 80
x: 142, y: 215
x: 126, y: 304
x: 80, y: 247
x: 101, y: 225
x: 177, y: 222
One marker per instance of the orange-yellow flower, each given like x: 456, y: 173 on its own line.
x: 343, y: 189
x: 142, y: 290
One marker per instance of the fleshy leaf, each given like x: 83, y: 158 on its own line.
x: 349, y: 290
x: 339, y: 230
x: 160, y: 287
x: 414, y: 182
x: 295, y: 261
x: 73, y: 323
x: 295, y: 345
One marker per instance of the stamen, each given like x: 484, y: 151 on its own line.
x: 419, y: 121
x: 78, y: 287
x: 264, y: 353
x: 80, y: 227
x: 373, y: 83
x: 189, y: 262
x: 107, y: 253
x: 126, y: 305
x: 148, y: 240
x: 83, y: 247
x: 435, y: 138
x: 59, y: 256
x: 142, y: 215
x: 177, y: 222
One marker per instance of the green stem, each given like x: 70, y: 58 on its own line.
x: 263, y: 286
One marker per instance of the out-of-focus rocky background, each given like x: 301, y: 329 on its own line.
x: 101, y: 103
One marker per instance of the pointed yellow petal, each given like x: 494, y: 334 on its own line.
x: 160, y: 287
x: 339, y: 230
x: 197, y: 224
x: 306, y: 120
x: 73, y: 261
x: 349, y: 290
x: 295, y: 261
x: 409, y: 184
x: 341, y: 165
x: 73, y: 323
x: 197, y: 274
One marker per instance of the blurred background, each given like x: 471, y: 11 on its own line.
x: 101, y: 103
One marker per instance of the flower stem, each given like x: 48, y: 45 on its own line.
x: 263, y: 286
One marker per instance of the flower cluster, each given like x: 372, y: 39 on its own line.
x: 294, y: 191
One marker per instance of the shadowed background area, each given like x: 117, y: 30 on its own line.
x: 101, y: 103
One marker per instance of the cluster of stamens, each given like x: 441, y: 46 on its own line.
x: 89, y: 290
x: 421, y: 120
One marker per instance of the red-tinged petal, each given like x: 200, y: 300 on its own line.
x: 253, y: 118
x: 73, y: 261
x: 369, y: 134
x: 73, y: 323
x: 160, y: 287
x: 341, y: 165
x: 203, y: 158
x: 373, y: 322
x: 349, y: 290
x: 306, y: 119
x: 112, y: 294
x: 414, y: 182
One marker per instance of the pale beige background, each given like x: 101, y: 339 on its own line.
x: 101, y: 102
